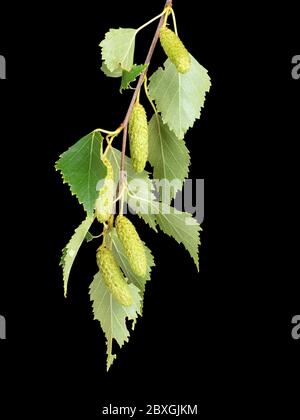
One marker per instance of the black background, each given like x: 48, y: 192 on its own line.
x: 221, y: 338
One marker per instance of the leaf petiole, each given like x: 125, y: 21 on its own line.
x: 124, y: 188
x: 174, y: 21
x: 166, y: 9
x: 111, y: 133
x: 148, y: 96
x: 89, y: 237
x: 110, y: 138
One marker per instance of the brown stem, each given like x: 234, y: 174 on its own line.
x: 134, y: 96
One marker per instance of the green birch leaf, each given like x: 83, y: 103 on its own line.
x: 169, y: 157
x: 118, y: 49
x: 82, y: 168
x: 141, y: 198
x: 130, y: 76
x: 108, y: 73
x: 120, y: 255
x: 63, y: 256
x: 182, y: 227
x: 71, y: 249
x: 112, y: 315
x: 179, y: 97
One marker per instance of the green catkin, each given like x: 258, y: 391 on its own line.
x: 133, y: 245
x: 113, y: 277
x: 104, y: 203
x: 138, y: 137
x: 175, y: 50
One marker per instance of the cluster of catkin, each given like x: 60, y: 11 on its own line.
x: 138, y: 142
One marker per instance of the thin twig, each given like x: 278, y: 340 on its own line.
x: 134, y: 96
